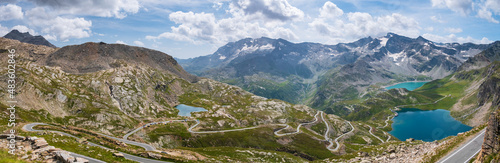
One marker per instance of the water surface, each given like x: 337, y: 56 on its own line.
x: 408, y: 85
x: 185, y: 110
x: 426, y: 125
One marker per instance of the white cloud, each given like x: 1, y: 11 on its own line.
x: 330, y: 10
x: 139, y: 43
x: 10, y: 12
x: 271, y: 9
x: 120, y: 42
x: 453, y: 30
x: 248, y: 19
x: 453, y: 38
x: 58, y: 27
x: 22, y: 28
x: 488, y: 9
x: 359, y: 24
x: 429, y: 29
x: 107, y: 8
x: 3, y: 30
x: 463, y: 7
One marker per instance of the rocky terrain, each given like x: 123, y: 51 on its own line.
x: 318, y: 75
x: 112, y: 89
x: 491, y: 145
x: 28, y: 38
x: 37, y: 149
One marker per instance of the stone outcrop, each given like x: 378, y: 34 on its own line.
x: 491, y: 144
x: 38, y: 150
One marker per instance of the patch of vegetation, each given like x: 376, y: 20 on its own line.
x: 6, y: 157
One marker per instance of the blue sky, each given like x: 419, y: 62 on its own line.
x: 190, y: 28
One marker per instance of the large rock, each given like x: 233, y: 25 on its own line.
x: 118, y: 155
x: 40, y: 143
x: 491, y: 144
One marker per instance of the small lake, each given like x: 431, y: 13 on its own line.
x: 185, y: 110
x: 408, y: 85
x: 426, y: 125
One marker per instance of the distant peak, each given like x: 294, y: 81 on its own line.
x: 26, y: 37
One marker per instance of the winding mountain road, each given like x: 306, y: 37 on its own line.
x: 29, y: 127
x: 371, y: 133
x: 298, y: 127
x: 329, y: 147
x: 147, y: 147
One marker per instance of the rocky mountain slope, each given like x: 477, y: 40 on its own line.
x: 28, y: 38
x: 318, y: 75
x: 113, y: 89
x: 470, y: 94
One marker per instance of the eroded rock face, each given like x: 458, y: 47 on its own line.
x: 491, y: 144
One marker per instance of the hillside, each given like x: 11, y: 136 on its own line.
x: 127, y: 87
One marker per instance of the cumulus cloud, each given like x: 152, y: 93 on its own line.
x: 22, y: 28
x: 463, y: 7
x: 10, y: 12
x: 359, y: 24
x: 248, y: 19
x: 138, y: 43
x: 107, y: 8
x: 330, y: 10
x: 454, y: 38
x: 57, y: 27
x: 270, y: 9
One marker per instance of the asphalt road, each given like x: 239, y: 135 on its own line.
x: 329, y: 147
x: 29, y: 127
x: 465, y: 152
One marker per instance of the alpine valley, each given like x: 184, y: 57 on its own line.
x: 266, y: 100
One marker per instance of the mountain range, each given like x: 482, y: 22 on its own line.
x: 99, y: 92
x: 319, y: 75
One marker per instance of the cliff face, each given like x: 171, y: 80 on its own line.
x: 490, y: 91
x: 491, y: 145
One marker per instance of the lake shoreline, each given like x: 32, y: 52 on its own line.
x: 385, y: 86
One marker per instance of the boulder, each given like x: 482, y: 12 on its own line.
x: 80, y: 160
x: 40, y: 143
x: 118, y: 155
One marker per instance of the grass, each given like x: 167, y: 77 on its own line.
x: 319, y: 128
x: 234, y: 154
x: 72, y: 145
x: 5, y: 157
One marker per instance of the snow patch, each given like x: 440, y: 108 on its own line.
x: 395, y: 56
x: 222, y: 57
x: 383, y: 41
x: 253, y: 48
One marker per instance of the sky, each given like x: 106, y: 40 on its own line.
x: 191, y: 28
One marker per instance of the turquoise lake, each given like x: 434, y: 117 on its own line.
x: 408, y: 85
x: 185, y: 110
x: 426, y: 125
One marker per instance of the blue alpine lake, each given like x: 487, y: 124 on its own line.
x: 185, y: 110
x: 408, y: 85
x: 426, y: 125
